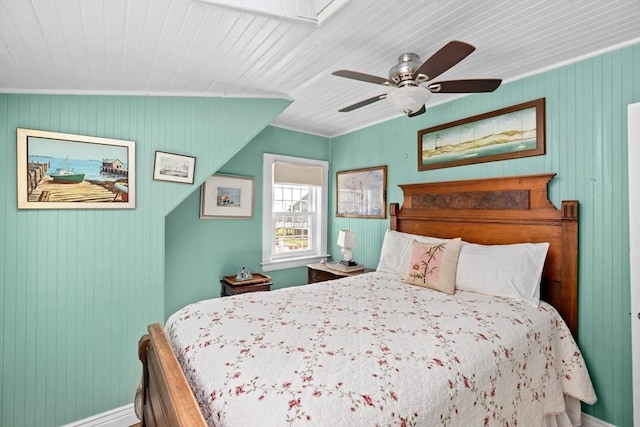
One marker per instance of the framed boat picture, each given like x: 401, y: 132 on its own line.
x: 174, y: 167
x: 66, y: 171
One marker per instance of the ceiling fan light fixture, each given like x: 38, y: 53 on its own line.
x: 408, y: 99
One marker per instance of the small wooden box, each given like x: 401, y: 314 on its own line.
x: 258, y: 283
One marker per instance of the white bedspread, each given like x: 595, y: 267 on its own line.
x: 370, y: 350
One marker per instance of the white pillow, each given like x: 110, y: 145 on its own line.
x: 512, y: 271
x: 395, y: 254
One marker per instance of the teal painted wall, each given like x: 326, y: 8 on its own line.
x: 78, y: 287
x: 586, y: 141
x: 206, y: 250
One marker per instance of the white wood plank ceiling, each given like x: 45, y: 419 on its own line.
x: 190, y: 47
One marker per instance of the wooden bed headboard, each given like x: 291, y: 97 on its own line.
x: 501, y: 211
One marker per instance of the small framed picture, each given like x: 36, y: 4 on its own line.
x: 174, y: 167
x: 227, y: 196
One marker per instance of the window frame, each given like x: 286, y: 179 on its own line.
x: 270, y: 260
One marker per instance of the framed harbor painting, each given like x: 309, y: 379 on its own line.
x: 227, y: 196
x: 508, y: 133
x: 174, y: 167
x: 362, y: 193
x: 66, y: 171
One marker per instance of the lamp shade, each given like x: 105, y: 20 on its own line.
x: 408, y: 99
x: 346, y: 239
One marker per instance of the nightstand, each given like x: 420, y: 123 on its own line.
x: 231, y: 286
x: 319, y: 272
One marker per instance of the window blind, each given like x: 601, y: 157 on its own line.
x: 294, y: 173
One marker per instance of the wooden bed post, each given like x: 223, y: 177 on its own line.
x: 393, y: 218
x: 167, y: 397
x: 570, y: 265
x: 143, y: 346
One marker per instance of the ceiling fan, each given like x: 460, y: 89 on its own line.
x: 407, y: 96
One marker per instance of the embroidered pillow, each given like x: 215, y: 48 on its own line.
x: 433, y: 265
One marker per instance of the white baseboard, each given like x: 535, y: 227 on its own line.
x: 589, y: 421
x: 123, y: 416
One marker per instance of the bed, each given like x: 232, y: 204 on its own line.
x: 374, y: 350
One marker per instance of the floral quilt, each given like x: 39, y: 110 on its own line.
x: 371, y: 350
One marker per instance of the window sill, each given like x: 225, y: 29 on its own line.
x: 292, y: 262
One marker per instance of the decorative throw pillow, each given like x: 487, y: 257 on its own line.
x: 433, y: 265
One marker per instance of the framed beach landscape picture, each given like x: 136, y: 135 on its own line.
x: 508, y: 133
x: 65, y: 171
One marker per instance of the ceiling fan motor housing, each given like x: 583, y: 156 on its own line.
x: 402, y: 73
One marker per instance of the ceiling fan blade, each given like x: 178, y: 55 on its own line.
x: 364, y: 77
x: 363, y: 103
x: 417, y: 113
x: 448, y: 56
x: 465, y: 86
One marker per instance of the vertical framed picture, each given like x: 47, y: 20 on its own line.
x: 174, y: 167
x: 66, y: 171
x: 362, y: 193
x: 227, y: 196
x: 509, y: 133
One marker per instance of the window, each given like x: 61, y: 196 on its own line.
x: 294, y: 211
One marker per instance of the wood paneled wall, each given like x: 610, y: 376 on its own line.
x: 78, y: 287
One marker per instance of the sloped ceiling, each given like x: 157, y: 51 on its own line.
x: 194, y: 48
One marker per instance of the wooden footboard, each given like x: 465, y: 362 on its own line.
x: 167, y: 397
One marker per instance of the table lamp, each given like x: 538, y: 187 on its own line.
x: 347, y: 241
